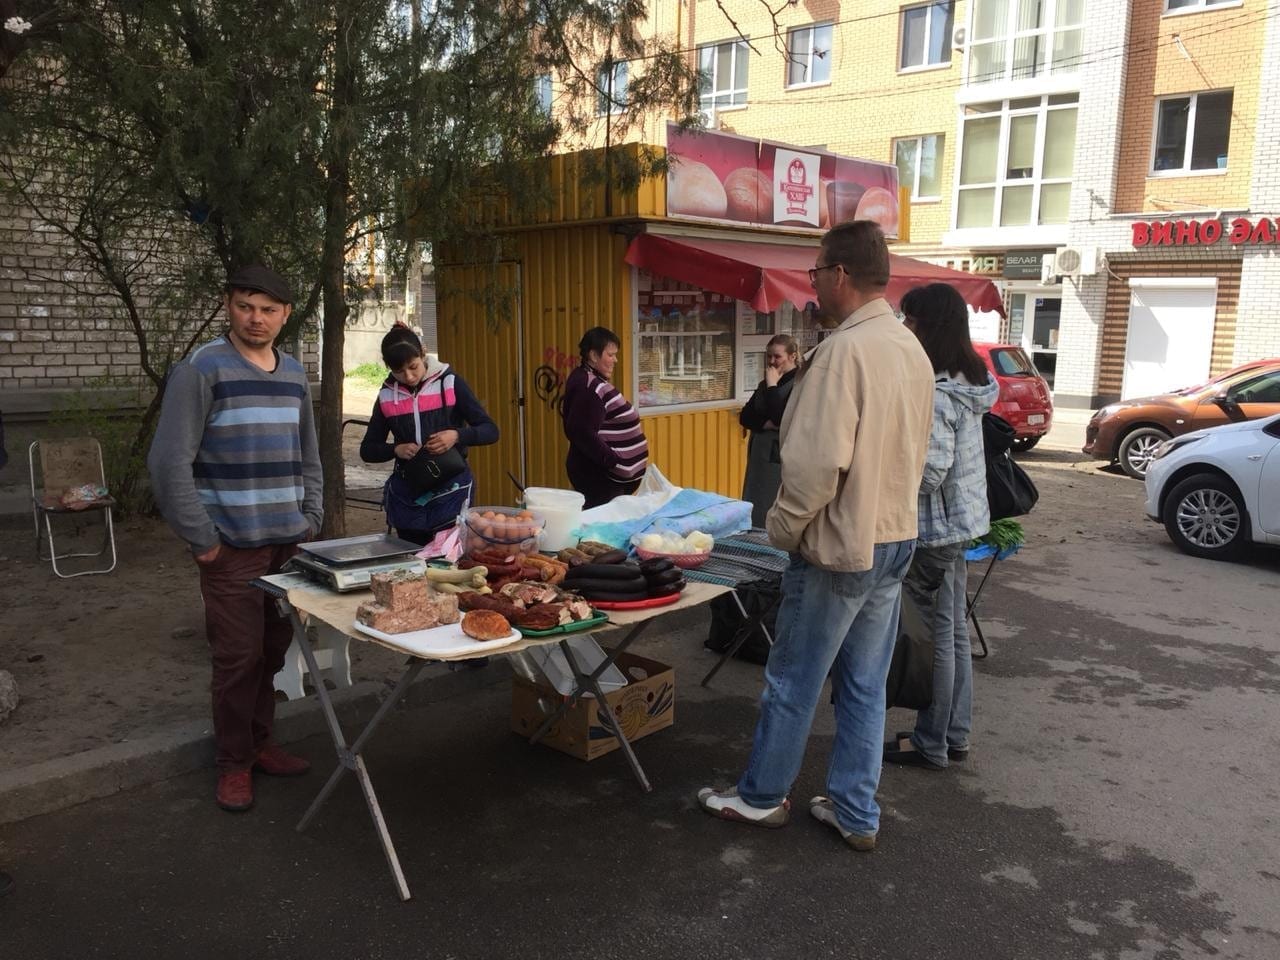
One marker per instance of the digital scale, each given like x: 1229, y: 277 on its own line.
x: 347, y: 564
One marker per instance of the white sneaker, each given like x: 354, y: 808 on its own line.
x: 824, y: 810
x: 727, y: 805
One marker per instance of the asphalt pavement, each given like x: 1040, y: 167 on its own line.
x: 1120, y: 802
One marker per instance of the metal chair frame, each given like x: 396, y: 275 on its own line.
x: 40, y: 509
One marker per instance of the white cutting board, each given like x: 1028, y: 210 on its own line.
x: 444, y: 641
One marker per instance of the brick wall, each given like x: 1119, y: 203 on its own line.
x: 1093, y: 197
x: 867, y: 104
x: 61, y: 328
x: 1223, y: 50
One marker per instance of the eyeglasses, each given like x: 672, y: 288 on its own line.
x: 813, y: 274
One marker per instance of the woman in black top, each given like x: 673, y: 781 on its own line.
x: 763, y: 416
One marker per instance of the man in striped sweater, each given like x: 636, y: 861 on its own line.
x: 235, y: 469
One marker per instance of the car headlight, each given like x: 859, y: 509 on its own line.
x: 1106, y: 411
x: 1169, y: 446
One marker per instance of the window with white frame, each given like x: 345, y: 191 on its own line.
x: 1016, y: 158
x: 723, y: 67
x: 1021, y: 39
x: 1192, y: 133
x: 919, y: 161
x: 611, y: 89
x: 926, y: 35
x: 809, y: 55
x: 1176, y: 6
x: 542, y: 92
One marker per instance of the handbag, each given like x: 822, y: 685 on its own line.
x: 1010, y: 492
x: 428, y: 471
x: 910, y: 681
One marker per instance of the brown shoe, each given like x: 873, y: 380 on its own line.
x: 275, y: 762
x: 235, y: 790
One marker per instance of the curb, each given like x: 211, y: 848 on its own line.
x: 183, y: 748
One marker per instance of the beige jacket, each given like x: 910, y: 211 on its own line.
x: 854, y: 438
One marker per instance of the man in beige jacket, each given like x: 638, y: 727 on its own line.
x: 854, y: 438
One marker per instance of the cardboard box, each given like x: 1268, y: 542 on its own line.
x: 645, y: 705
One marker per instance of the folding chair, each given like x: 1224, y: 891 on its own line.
x: 68, y: 467
x: 971, y: 555
x: 364, y: 484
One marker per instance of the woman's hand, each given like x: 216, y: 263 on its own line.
x: 441, y: 442
x: 771, y: 376
x: 407, y: 451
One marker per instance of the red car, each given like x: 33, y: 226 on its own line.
x: 1024, y: 396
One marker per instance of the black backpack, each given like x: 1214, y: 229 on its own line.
x: 1010, y: 492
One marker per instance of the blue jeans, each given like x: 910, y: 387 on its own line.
x: 947, y: 721
x: 843, y: 624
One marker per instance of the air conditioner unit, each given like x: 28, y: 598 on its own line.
x: 959, y: 37
x: 710, y: 118
x: 1075, y: 262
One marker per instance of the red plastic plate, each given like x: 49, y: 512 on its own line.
x: 635, y: 604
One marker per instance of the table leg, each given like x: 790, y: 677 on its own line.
x: 606, y: 715
x: 744, y: 633
x: 349, y: 758
x: 585, y: 683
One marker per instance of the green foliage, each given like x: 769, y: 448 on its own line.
x: 1003, y: 535
x: 368, y: 374
x: 112, y: 411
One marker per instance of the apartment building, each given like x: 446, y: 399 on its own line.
x: 1112, y: 166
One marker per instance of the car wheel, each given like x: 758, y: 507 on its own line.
x: 1024, y: 443
x: 1205, y: 516
x: 1137, y: 449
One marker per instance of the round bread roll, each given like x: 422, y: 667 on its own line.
x: 750, y: 194
x: 486, y: 625
x: 694, y: 190
x: 880, y: 205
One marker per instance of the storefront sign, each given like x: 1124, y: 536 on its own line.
x: 722, y: 177
x: 980, y: 266
x: 1184, y: 233
x: 1024, y: 264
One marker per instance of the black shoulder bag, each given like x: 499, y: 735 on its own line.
x: 1010, y: 492
x: 425, y: 471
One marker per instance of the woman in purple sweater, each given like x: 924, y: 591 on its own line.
x: 608, y: 453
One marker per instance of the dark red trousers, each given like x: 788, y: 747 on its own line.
x: 247, y: 639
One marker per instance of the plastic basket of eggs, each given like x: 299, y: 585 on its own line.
x: 507, y: 527
x: 687, y: 552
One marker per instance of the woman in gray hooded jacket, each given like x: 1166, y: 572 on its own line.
x: 953, y: 510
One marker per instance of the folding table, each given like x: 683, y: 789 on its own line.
x: 734, y: 561
x: 983, y: 552
x: 299, y: 599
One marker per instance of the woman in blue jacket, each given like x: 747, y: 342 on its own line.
x: 953, y: 510
x: 429, y: 411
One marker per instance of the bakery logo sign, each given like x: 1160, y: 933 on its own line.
x: 796, y: 195
x: 721, y: 177
x: 1188, y: 233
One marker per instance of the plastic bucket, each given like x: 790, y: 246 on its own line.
x: 561, y: 509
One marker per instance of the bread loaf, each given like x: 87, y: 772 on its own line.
x: 694, y: 190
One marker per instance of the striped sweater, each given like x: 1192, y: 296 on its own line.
x: 442, y: 401
x: 235, y: 458
x: 603, y: 427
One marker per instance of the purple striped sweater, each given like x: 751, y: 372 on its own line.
x: 603, y: 426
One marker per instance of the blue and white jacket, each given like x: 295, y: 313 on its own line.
x: 953, y: 492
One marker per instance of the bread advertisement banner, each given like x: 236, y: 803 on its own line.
x: 727, y: 178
